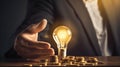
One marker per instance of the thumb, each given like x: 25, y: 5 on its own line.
x: 35, y: 28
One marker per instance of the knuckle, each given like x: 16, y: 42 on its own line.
x: 44, y: 44
x: 47, y: 45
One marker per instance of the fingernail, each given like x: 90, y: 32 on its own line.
x: 44, y: 20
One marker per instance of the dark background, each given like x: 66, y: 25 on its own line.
x: 12, y: 13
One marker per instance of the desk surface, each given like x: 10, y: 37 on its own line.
x: 107, y: 61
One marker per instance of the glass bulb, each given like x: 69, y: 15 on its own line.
x: 62, y: 36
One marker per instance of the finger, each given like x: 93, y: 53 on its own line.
x: 34, y: 49
x: 37, y: 58
x: 34, y: 53
x: 40, y: 52
x: 38, y: 44
x: 35, y: 28
x: 33, y: 44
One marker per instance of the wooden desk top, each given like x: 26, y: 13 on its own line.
x: 107, y: 61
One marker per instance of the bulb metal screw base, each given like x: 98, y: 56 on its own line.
x: 62, y: 53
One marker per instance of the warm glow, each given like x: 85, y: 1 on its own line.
x: 62, y: 36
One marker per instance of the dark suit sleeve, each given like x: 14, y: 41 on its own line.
x: 36, y: 11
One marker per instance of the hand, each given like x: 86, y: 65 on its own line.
x: 27, y: 46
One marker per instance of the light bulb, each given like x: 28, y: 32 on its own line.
x: 62, y: 35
